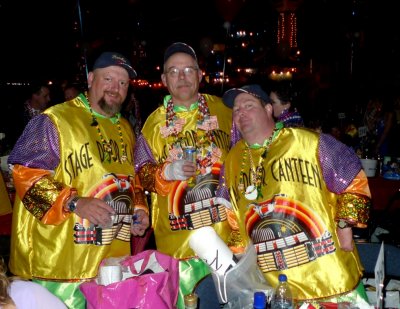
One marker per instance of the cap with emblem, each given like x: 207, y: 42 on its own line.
x: 108, y: 59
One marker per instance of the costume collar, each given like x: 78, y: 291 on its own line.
x: 267, y: 141
x: 180, y: 108
x: 114, y: 119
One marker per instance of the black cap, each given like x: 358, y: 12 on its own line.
x: 108, y: 59
x: 179, y: 47
x: 255, y: 90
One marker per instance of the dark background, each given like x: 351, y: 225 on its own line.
x: 46, y: 38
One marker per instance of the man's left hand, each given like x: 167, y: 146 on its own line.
x: 140, y: 223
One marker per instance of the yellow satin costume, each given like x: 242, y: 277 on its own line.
x: 182, y: 209
x: 49, y: 243
x: 292, y: 220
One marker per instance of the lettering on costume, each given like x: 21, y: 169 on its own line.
x: 222, y: 140
x: 77, y: 161
x: 296, y: 170
x: 115, y: 151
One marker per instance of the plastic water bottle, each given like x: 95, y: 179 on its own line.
x: 282, y: 297
x: 260, y: 300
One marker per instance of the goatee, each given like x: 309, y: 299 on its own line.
x: 108, y: 109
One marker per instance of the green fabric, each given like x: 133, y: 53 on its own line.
x: 180, y: 108
x: 69, y: 293
x: 190, y: 273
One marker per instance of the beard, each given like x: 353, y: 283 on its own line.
x: 107, y: 108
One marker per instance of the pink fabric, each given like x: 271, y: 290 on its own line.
x: 148, y: 290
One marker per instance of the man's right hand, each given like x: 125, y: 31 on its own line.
x: 179, y: 170
x: 95, y: 210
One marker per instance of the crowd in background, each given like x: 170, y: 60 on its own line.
x: 366, y: 119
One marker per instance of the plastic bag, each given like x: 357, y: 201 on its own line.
x: 153, y: 282
x: 236, y: 287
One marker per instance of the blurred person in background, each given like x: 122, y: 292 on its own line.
x: 76, y: 188
x: 283, y: 97
x: 379, y: 118
x: 131, y: 111
x: 38, y: 100
x: 71, y: 91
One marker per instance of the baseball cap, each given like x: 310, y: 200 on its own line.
x: 255, y: 90
x: 179, y: 47
x: 108, y: 59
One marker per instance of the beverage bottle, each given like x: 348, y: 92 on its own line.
x: 282, y: 297
x: 260, y: 300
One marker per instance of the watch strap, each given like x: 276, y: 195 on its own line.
x: 342, y: 224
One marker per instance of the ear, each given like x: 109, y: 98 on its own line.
x: 200, y: 74
x: 164, y: 79
x: 268, y: 107
x: 90, y: 79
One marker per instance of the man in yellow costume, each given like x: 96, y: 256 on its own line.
x: 296, y: 195
x: 183, y: 191
x: 76, y: 186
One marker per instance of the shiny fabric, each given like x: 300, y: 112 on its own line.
x: 184, y: 208
x: 69, y: 292
x: 73, y: 250
x: 191, y: 271
x: 293, y: 226
x: 168, y: 212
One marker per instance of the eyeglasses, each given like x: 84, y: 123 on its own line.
x: 187, y: 71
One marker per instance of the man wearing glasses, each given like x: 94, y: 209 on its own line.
x: 183, y: 190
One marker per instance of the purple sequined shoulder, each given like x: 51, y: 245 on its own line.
x: 339, y: 163
x: 38, y: 146
x: 143, y: 153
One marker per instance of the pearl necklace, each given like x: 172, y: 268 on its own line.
x: 253, y: 191
x: 107, y: 145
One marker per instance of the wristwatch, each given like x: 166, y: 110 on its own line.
x: 71, y: 206
x: 343, y: 224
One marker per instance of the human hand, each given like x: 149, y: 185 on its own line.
x: 179, y: 170
x: 345, y: 238
x: 140, y: 222
x: 95, y: 210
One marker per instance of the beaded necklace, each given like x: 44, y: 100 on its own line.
x: 107, y: 145
x: 207, y: 151
x: 253, y: 191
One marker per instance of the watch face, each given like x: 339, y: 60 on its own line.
x: 342, y: 224
x: 72, y: 204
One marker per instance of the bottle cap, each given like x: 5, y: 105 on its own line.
x: 191, y: 299
x: 259, y: 300
x: 282, y: 278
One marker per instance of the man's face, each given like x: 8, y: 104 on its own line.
x: 108, y: 89
x: 182, y: 78
x: 249, y: 115
x: 43, y: 98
